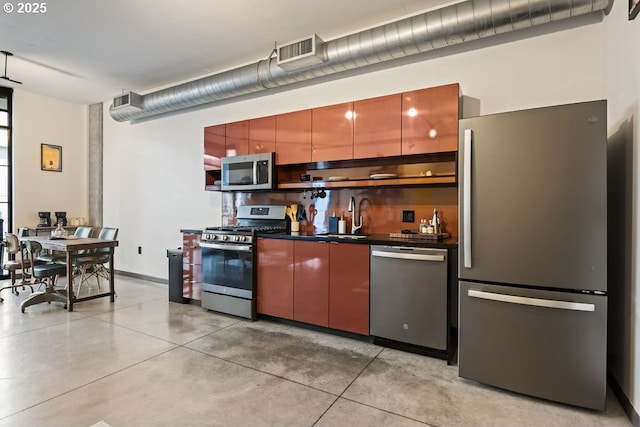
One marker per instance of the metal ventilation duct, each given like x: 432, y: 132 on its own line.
x: 451, y: 25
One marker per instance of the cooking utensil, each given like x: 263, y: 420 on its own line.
x: 302, y: 214
x: 312, y: 213
x: 294, y: 211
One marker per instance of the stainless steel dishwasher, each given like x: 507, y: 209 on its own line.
x: 409, y: 295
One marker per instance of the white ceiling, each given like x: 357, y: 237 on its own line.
x: 87, y: 51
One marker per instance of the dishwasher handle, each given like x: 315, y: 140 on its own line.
x: 408, y: 255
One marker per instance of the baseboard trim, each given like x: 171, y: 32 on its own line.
x: 624, y: 401
x: 142, y: 276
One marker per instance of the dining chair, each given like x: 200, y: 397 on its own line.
x: 94, y: 263
x: 83, y: 232
x: 14, y: 264
x: 46, y: 274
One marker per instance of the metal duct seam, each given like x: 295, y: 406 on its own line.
x: 447, y: 26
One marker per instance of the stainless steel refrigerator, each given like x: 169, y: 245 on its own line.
x: 533, y: 252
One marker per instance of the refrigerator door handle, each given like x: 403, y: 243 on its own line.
x: 538, y: 302
x: 466, y: 198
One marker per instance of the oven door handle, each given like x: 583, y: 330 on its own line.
x: 226, y: 246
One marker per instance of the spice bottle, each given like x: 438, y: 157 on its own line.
x: 423, y: 226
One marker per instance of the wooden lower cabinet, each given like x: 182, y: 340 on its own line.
x: 349, y: 287
x: 275, y: 277
x: 191, y: 266
x: 320, y: 283
x: 311, y: 283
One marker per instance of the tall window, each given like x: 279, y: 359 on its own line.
x: 6, y: 199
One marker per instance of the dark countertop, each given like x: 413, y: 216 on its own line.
x: 371, y: 239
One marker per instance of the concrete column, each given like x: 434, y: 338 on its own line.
x: 95, y: 165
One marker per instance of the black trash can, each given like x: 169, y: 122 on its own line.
x: 175, y: 276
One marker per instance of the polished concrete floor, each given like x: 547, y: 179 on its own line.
x: 143, y: 361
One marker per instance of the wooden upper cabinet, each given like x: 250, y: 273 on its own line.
x: 262, y: 135
x: 274, y: 277
x: 332, y: 132
x: 311, y: 283
x: 377, y: 127
x: 430, y: 120
x: 349, y: 287
x: 293, y: 138
x: 214, y: 146
x: 237, y: 138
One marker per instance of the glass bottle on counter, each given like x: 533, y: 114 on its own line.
x: 435, y: 222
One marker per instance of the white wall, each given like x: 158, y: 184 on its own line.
x: 41, y: 120
x: 153, y: 170
x: 622, y: 78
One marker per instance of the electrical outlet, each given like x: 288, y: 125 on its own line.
x: 408, y: 216
x: 139, y: 250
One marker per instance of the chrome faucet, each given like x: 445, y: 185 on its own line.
x: 352, y: 209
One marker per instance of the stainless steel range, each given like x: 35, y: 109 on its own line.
x: 228, y: 259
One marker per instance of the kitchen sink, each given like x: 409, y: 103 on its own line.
x: 344, y: 236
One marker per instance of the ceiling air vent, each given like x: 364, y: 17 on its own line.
x: 300, y: 54
x: 129, y: 99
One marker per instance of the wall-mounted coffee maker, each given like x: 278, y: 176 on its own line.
x: 61, y: 218
x: 45, y: 219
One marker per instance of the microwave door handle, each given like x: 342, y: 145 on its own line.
x: 255, y: 172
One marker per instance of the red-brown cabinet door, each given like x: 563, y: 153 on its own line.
x: 237, y: 138
x: 377, y: 127
x: 349, y: 288
x: 430, y: 120
x: 275, y: 277
x: 293, y: 138
x: 262, y: 135
x: 311, y: 283
x: 191, y: 266
x: 332, y: 132
x: 214, y: 146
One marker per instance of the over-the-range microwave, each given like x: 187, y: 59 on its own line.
x: 250, y: 172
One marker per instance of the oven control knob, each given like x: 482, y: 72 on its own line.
x: 236, y: 238
x: 224, y: 237
x: 242, y: 238
x: 213, y: 236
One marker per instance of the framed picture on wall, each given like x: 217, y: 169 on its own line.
x: 634, y: 8
x: 51, y: 157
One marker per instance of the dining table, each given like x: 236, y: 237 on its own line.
x: 75, y: 247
